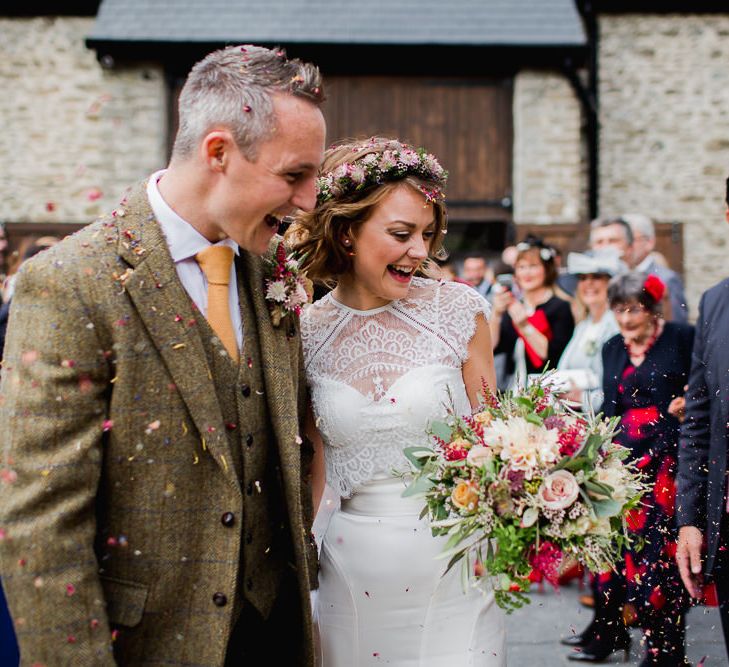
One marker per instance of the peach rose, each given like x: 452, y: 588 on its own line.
x: 465, y: 496
x: 559, y: 490
x: 478, y: 455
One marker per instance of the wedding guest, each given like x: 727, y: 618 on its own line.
x: 584, y: 351
x: 642, y: 258
x: 535, y: 330
x: 477, y: 273
x: 701, y: 502
x: 618, y: 233
x: 645, y: 367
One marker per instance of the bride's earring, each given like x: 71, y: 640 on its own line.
x: 348, y: 244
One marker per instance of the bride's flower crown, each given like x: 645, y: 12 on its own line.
x: 396, y: 162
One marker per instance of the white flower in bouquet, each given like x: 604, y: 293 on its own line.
x: 613, y: 474
x: 524, y: 445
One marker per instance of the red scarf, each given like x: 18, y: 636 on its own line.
x: 539, y: 321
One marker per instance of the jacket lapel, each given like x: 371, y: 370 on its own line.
x: 277, y: 376
x: 168, y: 314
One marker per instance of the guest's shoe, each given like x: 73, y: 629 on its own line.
x: 600, y: 650
x: 581, y: 639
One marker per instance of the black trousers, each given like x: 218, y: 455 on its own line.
x: 720, y: 576
x: 277, y: 640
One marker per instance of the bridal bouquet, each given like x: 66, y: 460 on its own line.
x: 522, y: 484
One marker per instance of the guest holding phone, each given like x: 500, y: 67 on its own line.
x: 534, y: 329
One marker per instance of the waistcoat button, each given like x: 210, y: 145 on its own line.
x: 220, y: 599
x: 249, y: 439
x: 245, y: 390
x: 228, y: 519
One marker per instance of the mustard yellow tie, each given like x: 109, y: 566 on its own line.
x: 215, y: 262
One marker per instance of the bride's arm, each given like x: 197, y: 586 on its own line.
x: 318, y: 474
x: 480, y: 363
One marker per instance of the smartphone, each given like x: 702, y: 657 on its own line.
x: 506, y: 280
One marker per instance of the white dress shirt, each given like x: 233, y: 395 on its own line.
x: 184, y: 242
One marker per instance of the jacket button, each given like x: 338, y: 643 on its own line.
x: 249, y: 439
x: 249, y: 537
x: 219, y: 599
x: 249, y: 584
x: 228, y: 519
x: 245, y: 390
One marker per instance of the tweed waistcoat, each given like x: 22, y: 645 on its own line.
x: 263, y: 528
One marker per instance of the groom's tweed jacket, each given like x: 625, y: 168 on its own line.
x: 123, y: 498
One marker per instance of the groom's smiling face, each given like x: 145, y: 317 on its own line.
x: 253, y: 195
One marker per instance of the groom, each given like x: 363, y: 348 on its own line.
x: 154, y: 500
x: 702, y: 506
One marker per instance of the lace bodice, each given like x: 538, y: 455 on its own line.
x: 378, y: 377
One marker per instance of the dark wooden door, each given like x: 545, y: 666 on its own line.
x: 466, y: 123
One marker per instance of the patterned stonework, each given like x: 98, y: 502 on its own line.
x: 549, y: 169
x: 74, y: 135
x: 664, y: 115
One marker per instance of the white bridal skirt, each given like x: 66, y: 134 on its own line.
x: 383, y: 598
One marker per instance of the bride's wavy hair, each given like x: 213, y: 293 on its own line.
x: 316, y: 236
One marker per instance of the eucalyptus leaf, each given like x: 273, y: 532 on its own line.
x: 441, y: 430
x: 419, y: 487
x: 606, y: 508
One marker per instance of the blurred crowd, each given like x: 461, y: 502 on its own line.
x: 611, y: 323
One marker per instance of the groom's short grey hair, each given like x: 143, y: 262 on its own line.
x: 233, y: 87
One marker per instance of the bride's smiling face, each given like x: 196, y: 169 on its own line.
x: 388, y: 248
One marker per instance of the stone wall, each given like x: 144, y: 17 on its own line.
x: 664, y: 140
x: 549, y: 176
x: 74, y: 135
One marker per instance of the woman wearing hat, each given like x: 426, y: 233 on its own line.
x: 582, y: 358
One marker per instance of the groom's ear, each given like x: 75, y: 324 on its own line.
x: 215, y: 149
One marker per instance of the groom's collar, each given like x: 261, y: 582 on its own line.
x: 183, y: 240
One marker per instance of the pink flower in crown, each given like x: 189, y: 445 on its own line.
x: 433, y: 166
x: 409, y: 158
x: 388, y: 160
x: 369, y: 159
x: 342, y: 171
x: 358, y: 174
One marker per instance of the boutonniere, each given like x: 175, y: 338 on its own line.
x: 287, y: 287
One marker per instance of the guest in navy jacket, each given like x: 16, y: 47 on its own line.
x: 645, y: 367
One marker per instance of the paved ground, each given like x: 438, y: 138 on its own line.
x: 533, y: 632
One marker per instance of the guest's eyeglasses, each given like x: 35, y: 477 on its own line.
x: 628, y: 310
x: 591, y: 276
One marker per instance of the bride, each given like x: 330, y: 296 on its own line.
x: 386, y: 351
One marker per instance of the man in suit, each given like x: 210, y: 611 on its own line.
x: 642, y: 259
x: 155, y: 505
x: 701, y: 499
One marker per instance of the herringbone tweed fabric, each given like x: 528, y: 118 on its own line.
x: 118, y: 469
